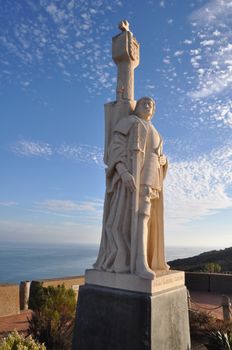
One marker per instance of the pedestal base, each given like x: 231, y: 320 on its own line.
x: 163, y: 280
x: 114, y: 319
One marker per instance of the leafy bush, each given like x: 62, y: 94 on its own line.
x: 219, y: 341
x: 210, y: 331
x: 212, y: 267
x: 15, y: 341
x: 53, y: 318
x: 37, y: 295
x: 202, y: 322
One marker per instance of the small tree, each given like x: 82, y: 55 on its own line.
x: 15, y: 341
x: 212, y: 267
x: 53, y: 318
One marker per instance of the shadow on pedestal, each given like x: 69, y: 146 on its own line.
x: 114, y: 319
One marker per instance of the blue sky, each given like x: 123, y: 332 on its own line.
x: 57, y: 73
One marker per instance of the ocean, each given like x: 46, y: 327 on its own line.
x: 27, y: 261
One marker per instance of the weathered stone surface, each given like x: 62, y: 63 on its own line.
x: 133, y: 229
x: 111, y: 319
x: 9, y: 299
x: 163, y: 280
x: 169, y: 320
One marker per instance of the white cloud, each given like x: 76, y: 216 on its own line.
x: 82, y: 153
x: 48, y: 43
x: 199, y: 187
x: 194, y: 52
x: 65, y: 231
x: 32, y: 149
x: 216, y: 48
x: 194, y: 61
x: 216, y: 33
x: 8, y: 204
x: 213, y: 11
x: 79, y: 44
x: 187, y: 42
x: 58, y: 221
x: 194, y: 189
x: 223, y: 112
x: 207, y: 42
x: 214, y: 81
x: 166, y: 60
x: 178, y: 53
x: 150, y: 86
x: 87, y: 154
x: 93, y: 207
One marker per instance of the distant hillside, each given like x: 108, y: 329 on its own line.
x: 197, y: 263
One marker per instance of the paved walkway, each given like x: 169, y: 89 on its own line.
x: 18, y: 322
x: 208, y: 302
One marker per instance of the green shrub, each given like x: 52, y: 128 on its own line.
x: 15, y: 341
x: 53, y: 318
x: 37, y: 295
x: 215, y: 334
x: 200, y: 321
x: 219, y: 341
x: 212, y: 267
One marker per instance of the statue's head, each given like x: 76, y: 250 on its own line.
x: 145, y: 108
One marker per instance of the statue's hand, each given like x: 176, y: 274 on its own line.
x: 128, y: 181
x: 162, y: 160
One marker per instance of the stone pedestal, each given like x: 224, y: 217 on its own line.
x: 116, y: 318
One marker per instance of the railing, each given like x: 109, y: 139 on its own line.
x: 209, y: 282
x: 225, y: 306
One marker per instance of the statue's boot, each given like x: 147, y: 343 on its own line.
x: 141, y: 265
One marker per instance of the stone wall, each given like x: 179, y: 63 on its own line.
x: 9, y: 299
x: 69, y: 282
x: 12, y: 295
x: 209, y: 282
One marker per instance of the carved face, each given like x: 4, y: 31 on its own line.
x: 145, y: 108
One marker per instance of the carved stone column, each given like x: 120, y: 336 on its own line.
x: 125, y: 53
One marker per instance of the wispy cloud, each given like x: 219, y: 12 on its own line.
x: 178, y: 53
x: 199, y: 187
x: 87, y: 154
x: 194, y: 188
x: 58, y: 220
x: 213, y: 25
x: 8, y: 204
x: 32, y: 149
x: 58, y: 206
x: 65, y: 231
x: 83, y: 153
x: 52, y: 37
x: 197, y: 72
x: 213, y: 11
x: 208, y: 50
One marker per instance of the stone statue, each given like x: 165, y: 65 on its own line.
x: 130, y: 285
x: 132, y: 234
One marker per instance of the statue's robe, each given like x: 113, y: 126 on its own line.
x: 121, y: 208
